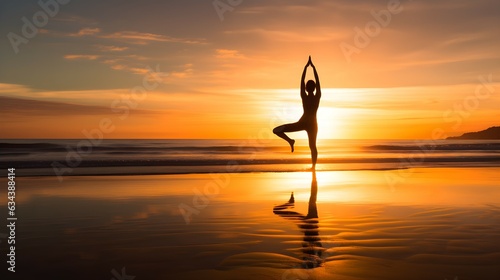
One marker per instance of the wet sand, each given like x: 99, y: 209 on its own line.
x: 437, y: 223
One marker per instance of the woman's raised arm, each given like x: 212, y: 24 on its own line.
x: 302, y: 80
x: 318, y: 87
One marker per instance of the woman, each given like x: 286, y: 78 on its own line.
x: 308, y: 122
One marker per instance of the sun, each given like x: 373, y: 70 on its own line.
x: 336, y: 122
x: 337, y: 119
x: 328, y: 123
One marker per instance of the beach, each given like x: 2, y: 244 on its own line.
x: 250, y: 140
x: 437, y: 223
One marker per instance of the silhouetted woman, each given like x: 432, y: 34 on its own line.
x: 307, y: 122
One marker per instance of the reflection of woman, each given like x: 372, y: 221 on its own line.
x: 312, y: 249
x: 308, y: 122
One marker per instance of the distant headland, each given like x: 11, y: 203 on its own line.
x: 492, y: 133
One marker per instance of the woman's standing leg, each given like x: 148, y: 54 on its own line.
x: 312, y: 134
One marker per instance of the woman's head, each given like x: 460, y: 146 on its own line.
x: 310, y: 86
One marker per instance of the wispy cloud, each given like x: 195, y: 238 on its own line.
x: 81, y: 57
x: 72, y: 18
x: 134, y: 70
x: 145, y: 38
x: 86, y: 32
x: 107, y: 48
x: 186, y: 72
x: 83, y: 97
x: 28, y: 107
x: 130, y: 63
x: 127, y: 63
x: 225, y: 53
x: 12, y: 88
x: 131, y: 37
x: 318, y: 34
x: 87, y: 98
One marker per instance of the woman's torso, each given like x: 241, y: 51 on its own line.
x: 310, y: 105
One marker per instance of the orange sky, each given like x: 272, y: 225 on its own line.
x: 182, y: 69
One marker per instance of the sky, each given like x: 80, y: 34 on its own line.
x: 419, y: 69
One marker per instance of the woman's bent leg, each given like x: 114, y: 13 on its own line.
x: 291, y: 127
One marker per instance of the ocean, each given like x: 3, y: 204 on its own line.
x: 181, y: 156
x: 375, y: 210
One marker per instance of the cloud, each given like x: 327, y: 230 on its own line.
x: 188, y: 71
x: 225, y: 53
x: 122, y: 65
x: 138, y: 70
x: 12, y: 88
x: 314, y: 34
x: 81, y: 57
x: 309, y: 8
x: 86, y: 32
x: 132, y: 37
x: 67, y: 18
x: 10, y: 106
x: 106, y: 48
x: 155, y: 100
x: 117, y: 66
x: 113, y: 48
x: 132, y: 63
x: 83, y: 97
x: 145, y: 38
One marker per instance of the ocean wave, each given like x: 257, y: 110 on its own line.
x: 437, y: 147
x: 416, y: 161
x: 16, y: 148
x: 178, y: 156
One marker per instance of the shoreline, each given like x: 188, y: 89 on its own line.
x: 194, y: 170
